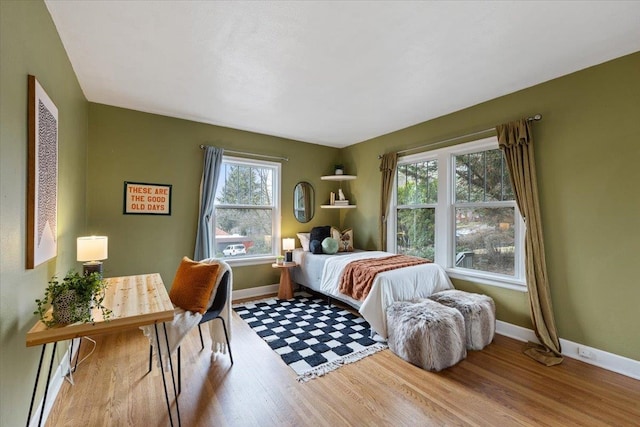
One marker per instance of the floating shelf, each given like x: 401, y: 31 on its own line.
x: 338, y: 177
x: 337, y: 207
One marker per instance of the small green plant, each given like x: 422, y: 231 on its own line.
x: 76, y: 293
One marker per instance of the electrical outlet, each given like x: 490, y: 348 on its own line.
x: 586, y: 353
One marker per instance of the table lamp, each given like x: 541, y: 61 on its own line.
x: 288, y: 245
x: 92, y: 250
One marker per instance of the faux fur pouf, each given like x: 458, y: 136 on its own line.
x: 426, y: 334
x: 479, y: 314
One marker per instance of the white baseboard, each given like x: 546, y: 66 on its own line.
x: 255, y: 292
x: 593, y: 356
x: 55, y: 384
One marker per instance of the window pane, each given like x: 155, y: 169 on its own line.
x: 485, y: 239
x: 482, y: 177
x: 245, y: 185
x: 415, y: 230
x: 418, y: 183
x: 249, y: 227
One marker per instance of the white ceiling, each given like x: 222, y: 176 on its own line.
x: 328, y: 72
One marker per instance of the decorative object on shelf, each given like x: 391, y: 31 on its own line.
x: 288, y: 245
x: 92, y: 250
x: 341, y: 202
x: 147, y: 199
x: 339, y: 169
x: 72, y: 298
x: 42, y: 179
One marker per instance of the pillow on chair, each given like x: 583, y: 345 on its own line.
x: 193, y: 284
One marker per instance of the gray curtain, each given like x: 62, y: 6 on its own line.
x: 516, y: 142
x: 388, y: 166
x: 208, y: 185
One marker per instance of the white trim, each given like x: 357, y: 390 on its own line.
x: 276, y: 207
x: 55, y: 385
x: 445, y: 216
x: 476, y: 276
x: 255, y: 292
x: 603, y: 359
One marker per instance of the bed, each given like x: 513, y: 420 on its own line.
x: 321, y: 273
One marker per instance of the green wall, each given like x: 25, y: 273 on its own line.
x: 586, y: 146
x: 29, y: 44
x: 126, y: 145
x: 587, y: 153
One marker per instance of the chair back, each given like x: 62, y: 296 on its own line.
x: 221, y: 294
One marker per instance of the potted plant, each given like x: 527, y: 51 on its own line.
x: 72, y: 299
x: 339, y: 169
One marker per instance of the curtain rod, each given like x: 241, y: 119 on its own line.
x: 243, y: 153
x: 534, y: 118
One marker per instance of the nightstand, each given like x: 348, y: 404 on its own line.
x: 286, y: 287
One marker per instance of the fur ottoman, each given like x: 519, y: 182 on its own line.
x: 479, y: 314
x: 426, y: 334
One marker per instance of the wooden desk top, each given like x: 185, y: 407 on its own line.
x: 134, y: 301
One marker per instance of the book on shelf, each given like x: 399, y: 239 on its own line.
x: 341, y: 203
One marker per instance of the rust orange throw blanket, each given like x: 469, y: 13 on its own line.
x: 357, y: 278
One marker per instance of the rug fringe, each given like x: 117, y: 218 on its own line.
x: 325, y: 368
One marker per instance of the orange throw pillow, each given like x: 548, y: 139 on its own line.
x: 193, y: 285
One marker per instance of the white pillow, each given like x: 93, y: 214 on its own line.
x: 304, y: 240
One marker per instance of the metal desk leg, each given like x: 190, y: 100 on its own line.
x: 46, y: 389
x: 35, y: 386
x: 173, y: 378
x: 164, y: 380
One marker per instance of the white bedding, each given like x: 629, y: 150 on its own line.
x: 403, y: 284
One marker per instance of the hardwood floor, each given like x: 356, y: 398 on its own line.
x: 498, y: 386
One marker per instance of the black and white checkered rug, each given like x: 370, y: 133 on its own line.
x: 311, y: 337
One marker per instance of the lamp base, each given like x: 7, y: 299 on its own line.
x: 92, y: 267
x: 288, y: 256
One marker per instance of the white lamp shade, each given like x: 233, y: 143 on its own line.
x: 288, y: 244
x: 92, y: 248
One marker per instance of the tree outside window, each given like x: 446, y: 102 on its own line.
x: 245, y: 208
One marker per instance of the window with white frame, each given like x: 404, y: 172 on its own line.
x: 247, y: 209
x: 456, y: 206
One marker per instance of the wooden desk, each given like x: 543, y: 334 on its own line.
x: 285, y: 291
x: 134, y: 301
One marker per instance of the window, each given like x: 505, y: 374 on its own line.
x: 456, y: 206
x: 247, y: 206
x: 417, y: 195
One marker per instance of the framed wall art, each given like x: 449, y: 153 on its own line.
x: 147, y: 199
x: 42, y: 181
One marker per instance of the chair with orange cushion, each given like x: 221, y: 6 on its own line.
x: 191, y: 287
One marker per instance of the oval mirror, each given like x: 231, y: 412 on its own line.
x: 303, y: 201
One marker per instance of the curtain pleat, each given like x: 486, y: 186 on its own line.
x: 208, y: 185
x: 516, y: 142
x: 388, y: 165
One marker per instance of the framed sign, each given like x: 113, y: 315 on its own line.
x: 42, y: 180
x: 147, y: 199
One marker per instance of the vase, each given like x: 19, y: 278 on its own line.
x: 67, y: 308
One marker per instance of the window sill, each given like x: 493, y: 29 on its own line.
x: 244, y: 261
x: 487, y: 279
